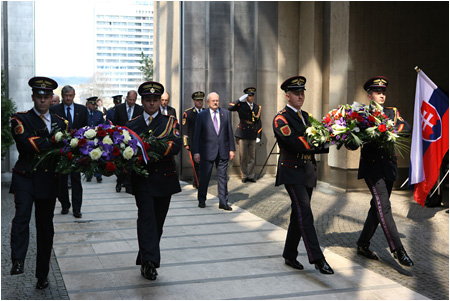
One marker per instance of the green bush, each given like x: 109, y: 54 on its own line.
x: 8, y: 109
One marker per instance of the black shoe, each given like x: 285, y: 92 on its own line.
x: 251, y: 180
x: 77, y: 214
x: 402, y: 257
x: 323, y: 267
x: 42, y: 283
x: 201, y: 204
x: 225, y: 207
x: 17, y: 267
x: 148, y: 271
x: 128, y: 190
x: 64, y: 210
x: 244, y: 180
x: 99, y: 179
x: 366, y: 252
x: 88, y: 179
x: 293, y: 263
x: 118, y: 187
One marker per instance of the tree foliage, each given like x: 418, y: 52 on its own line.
x: 8, y: 109
x: 146, y: 67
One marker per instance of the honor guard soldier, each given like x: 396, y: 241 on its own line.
x: 378, y: 168
x: 95, y: 117
x: 188, y: 128
x: 32, y: 131
x: 248, y: 132
x: 117, y: 99
x: 297, y: 170
x: 153, y: 193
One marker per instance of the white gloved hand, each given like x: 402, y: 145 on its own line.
x: 258, y: 140
x: 243, y: 97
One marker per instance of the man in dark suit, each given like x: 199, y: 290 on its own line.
x: 117, y: 99
x: 32, y: 132
x: 124, y: 112
x: 248, y: 132
x: 165, y: 108
x: 188, y: 128
x: 153, y: 193
x: 77, y: 116
x: 297, y: 171
x: 213, y: 144
x: 95, y: 117
x: 378, y: 167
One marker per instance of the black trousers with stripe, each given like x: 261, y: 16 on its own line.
x: 380, y: 212
x: 301, y: 225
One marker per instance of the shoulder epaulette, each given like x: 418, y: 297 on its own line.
x: 24, y: 112
x: 134, y: 118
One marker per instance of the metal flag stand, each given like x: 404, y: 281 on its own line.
x: 268, y: 156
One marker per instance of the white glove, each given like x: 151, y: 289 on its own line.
x: 258, y: 140
x: 243, y: 97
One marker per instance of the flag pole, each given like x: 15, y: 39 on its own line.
x: 417, y: 69
x: 439, y: 184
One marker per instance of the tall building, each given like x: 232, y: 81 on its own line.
x: 122, y: 34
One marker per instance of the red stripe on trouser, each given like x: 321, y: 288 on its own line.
x: 300, y: 221
x: 380, y: 211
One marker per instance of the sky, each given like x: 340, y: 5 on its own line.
x: 64, y: 35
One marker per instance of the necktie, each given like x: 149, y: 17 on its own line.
x: 129, y: 113
x: 216, y: 124
x: 301, y: 117
x: 149, y: 120
x: 43, y: 119
x: 69, y: 117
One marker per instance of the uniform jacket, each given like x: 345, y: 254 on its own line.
x: 376, y: 162
x: 171, y: 111
x: 32, y: 137
x: 188, y: 126
x: 121, y: 114
x: 163, y: 178
x: 296, y: 163
x: 206, y: 141
x: 110, y: 114
x: 80, y: 117
x: 249, y: 127
x: 96, y: 118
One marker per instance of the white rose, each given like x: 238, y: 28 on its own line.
x: 96, y: 141
x: 58, y: 136
x: 107, y: 140
x: 126, y: 136
x: 90, y: 134
x: 122, y: 145
x: 74, y: 142
x: 128, y: 153
x: 95, y: 154
x: 356, y: 129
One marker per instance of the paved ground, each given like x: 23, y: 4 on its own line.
x: 338, y: 219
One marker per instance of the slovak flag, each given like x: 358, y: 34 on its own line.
x: 430, y: 136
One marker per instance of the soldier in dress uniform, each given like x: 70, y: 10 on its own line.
x: 297, y: 170
x: 248, y: 132
x: 117, y: 99
x: 95, y: 117
x: 378, y: 167
x: 32, y: 131
x: 188, y: 128
x: 153, y: 193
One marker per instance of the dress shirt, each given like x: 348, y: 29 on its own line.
x: 147, y: 116
x: 299, y: 112
x: 46, y: 118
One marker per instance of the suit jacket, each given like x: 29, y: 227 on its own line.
x: 80, y: 114
x: 32, y: 137
x: 296, y: 163
x: 188, y: 126
x: 162, y: 180
x: 206, y: 141
x: 110, y: 114
x: 121, y: 114
x: 249, y: 127
x: 377, y: 162
x: 96, y: 118
x: 171, y: 111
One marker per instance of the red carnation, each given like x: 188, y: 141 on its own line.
x: 61, y: 152
x: 116, y: 151
x: 371, y: 118
x: 110, y: 167
x: 53, y: 139
x: 360, y: 118
x: 327, y: 119
x: 69, y: 155
x: 146, y: 146
x: 110, y: 131
x: 139, y: 159
x: 354, y: 115
x: 101, y: 133
x: 382, y: 128
x: 82, y: 142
